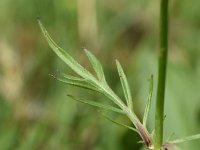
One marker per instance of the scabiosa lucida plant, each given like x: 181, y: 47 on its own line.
x: 99, y: 84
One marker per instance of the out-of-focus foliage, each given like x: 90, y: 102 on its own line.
x: 35, y: 112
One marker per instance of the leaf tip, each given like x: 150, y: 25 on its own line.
x: 88, y: 53
x: 117, y: 61
x: 83, y: 48
x: 53, y: 76
x: 151, y: 78
x: 38, y: 18
x: 70, y: 96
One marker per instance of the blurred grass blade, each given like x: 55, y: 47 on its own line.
x: 96, y: 104
x: 63, y: 55
x: 125, y: 86
x: 120, y: 124
x: 96, y: 65
x: 189, y: 138
x: 148, y: 105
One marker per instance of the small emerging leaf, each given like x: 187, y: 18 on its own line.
x: 125, y: 86
x: 96, y: 104
x: 146, y: 113
x: 120, y: 124
x: 96, y: 65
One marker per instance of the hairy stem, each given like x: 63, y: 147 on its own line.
x: 161, y: 74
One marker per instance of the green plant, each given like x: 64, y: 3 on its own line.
x: 99, y: 84
x: 161, y: 74
x: 159, y: 115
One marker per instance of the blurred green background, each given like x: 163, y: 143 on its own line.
x: 36, y: 114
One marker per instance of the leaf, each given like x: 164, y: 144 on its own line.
x: 125, y: 86
x: 120, y: 124
x: 189, y: 138
x: 96, y: 104
x: 63, y: 55
x: 84, y: 81
x: 70, y: 77
x: 96, y: 65
x: 77, y: 82
x: 148, y: 105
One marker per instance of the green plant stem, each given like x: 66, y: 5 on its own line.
x: 161, y: 74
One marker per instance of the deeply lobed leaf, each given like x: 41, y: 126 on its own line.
x: 88, y: 81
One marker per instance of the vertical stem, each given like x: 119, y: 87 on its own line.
x: 161, y: 74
